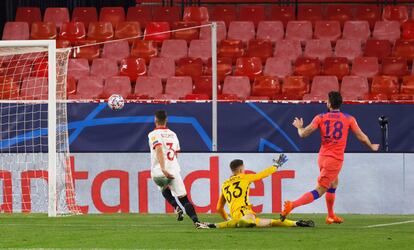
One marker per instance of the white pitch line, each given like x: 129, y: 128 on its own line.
x: 391, y: 224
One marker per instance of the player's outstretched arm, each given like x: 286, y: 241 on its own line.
x: 160, y: 157
x: 362, y: 137
x: 303, y: 132
x: 277, y: 163
x: 220, y: 208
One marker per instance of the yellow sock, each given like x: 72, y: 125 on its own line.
x: 285, y: 223
x: 227, y: 224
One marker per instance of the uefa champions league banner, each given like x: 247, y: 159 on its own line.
x: 242, y: 127
x: 120, y: 183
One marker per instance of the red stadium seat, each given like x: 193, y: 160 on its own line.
x: 408, y: 30
x: 9, y: 89
x: 308, y: 67
x: 57, y: 16
x: 340, y: 13
x: 120, y: 85
x: 89, y: 87
x: 85, y: 15
x: 89, y: 52
x: 310, y: 13
x: 63, y: 43
x: 224, y: 68
x: 28, y: 15
x: 228, y: 97
x: 104, y: 68
x: 350, y: 49
x: 133, y: 68
x: 72, y: 32
x: 356, y: 30
x: 270, y: 30
x: 290, y: 49
x: 175, y: 49
x: 404, y: 49
x: 183, y: 31
x: 243, y: 31
x: 70, y: 87
x: 385, y: 85
x: 189, y: 67
x: 205, y: 32
x: 16, y: 31
x: 327, y: 30
x: 161, y: 67
x: 266, y: 86
x: 100, y: 31
x: 196, y: 14
x: 128, y: 29
x: 226, y: 13
x: 248, y: 66
x: 354, y: 87
x: 318, y: 49
x: 394, y: 66
x: 179, y: 86
x: 145, y: 49
x: 78, y: 68
x: 407, y: 86
x: 166, y: 14
x: 369, y: 13
x: 153, y: 30
x: 377, y: 48
x: 34, y: 88
x: 282, y: 13
x: 395, y: 13
x: 148, y: 86
x: 376, y: 97
x: 200, y: 49
x: 387, y: 30
x: 42, y: 31
x: 252, y: 13
x: 195, y: 97
x: 336, y: 66
x: 18, y: 69
x: 141, y: 14
x: 204, y: 85
x: 295, y: 87
x: 321, y: 86
x: 231, y: 49
x: 237, y: 85
x: 278, y: 66
x: 402, y: 97
x: 40, y: 67
x: 365, y: 66
x: 299, y: 30
x: 116, y: 50
x: 260, y: 48
x: 114, y: 15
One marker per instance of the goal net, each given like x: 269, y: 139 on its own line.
x: 35, y: 171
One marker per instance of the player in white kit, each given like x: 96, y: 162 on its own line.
x: 165, y: 170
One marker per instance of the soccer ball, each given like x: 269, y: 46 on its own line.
x: 116, y: 102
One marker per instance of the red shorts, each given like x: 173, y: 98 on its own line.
x: 329, y: 169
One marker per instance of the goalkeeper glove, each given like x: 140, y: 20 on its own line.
x: 282, y: 159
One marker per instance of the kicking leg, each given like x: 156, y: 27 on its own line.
x: 166, y: 192
x: 306, y: 198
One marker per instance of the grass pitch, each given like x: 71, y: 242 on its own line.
x: 163, y: 231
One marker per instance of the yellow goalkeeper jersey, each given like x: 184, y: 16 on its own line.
x: 236, y: 189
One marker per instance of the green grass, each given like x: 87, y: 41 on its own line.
x: 163, y: 231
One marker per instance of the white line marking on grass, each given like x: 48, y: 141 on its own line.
x: 390, y: 224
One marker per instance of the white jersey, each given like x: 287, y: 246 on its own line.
x: 170, y: 146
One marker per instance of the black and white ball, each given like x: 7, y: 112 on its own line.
x: 116, y: 102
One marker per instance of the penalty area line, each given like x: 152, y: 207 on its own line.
x: 390, y: 224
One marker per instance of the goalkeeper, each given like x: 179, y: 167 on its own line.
x: 235, y: 192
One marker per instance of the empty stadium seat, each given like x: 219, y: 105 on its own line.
x: 318, y: 49
x: 114, y: 15
x: 189, y: 67
x: 310, y: 13
x: 57, y: 16
x: 295, y: 87
x: 203, y: 85
x: 402, y: 97
x: 175, y: 49
x: 365, y: 66
x: 63, y: 43
x: 149, y: 86
x: 104, y: 67
x: 34, y: 88
x: 72, y: 31
x: 183, y: 31
x: 16, y: 31
x: 9, y: 89
x: 120, y: 85
x: 70, y: 87
x: 85, y: 15
x: 404, y: 49
x: 369, y: 13
x: 200, y: 49
x: 205, y: 32
x: 340, y: 13
x: 282, y: 13
x: 224, y: 68
x: 132, y: 67
x: 290, y: 49
x: 299, y: 30
x: 226, y: 13
x: 145, y: 49
x: 350, y: 49
x: 141, y: 14
x: 195, y: 97
x: 196, y: 14
x: 240, y: 30
x: 252, y: 13
x: 356, y: 30
x: 395, y: 66
x: 127, y: 29
x: 153, y: 30
x: 89, y: 52
x: 354, y: 87
x: 161, y: 67
x: 376, y: 97
x: 309, y: 67
x: 321, y: 86
x: 248, y: 66
x: 327, y: 30
x: 78, y: 68
x: 100, y: 31
x: 237, y: 85
x: 89, y: 87
x: 168, y: 14
x: 387, y: 30
x: 179, y: 86
x: 270, y: 30
x: 40, y: 67
x: 385, y: 85
x: 228, y: 97
x: 395, y: 13
x: 268, y: 86
x: 17, y: 69
x: 28, y: 15
x: 336, y: 66
x: 116, y: 50
x: 43, y: 31
x: 260, y: 48
x: 407, y: 86
x: 278, y: 66
x: 408, y: 30
x: 231, y: 49
x: 377, y: 48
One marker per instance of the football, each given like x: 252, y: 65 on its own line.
x: 116, y: 102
